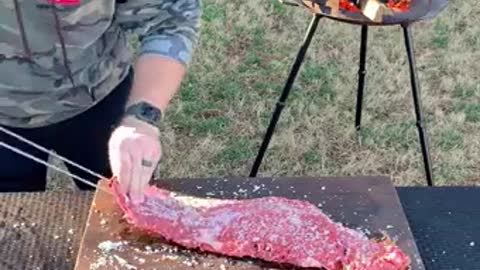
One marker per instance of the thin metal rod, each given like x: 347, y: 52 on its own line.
x: 41, y: 148
x: 286, y: 91
x: 417, y: 104
x: 361, y: 76
x: 27, y: 155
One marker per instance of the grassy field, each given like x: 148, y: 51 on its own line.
x: 216, y: 123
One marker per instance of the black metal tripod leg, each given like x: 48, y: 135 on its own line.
x: 286, y: 91
x: 417, y: 102
x: 361, y: 77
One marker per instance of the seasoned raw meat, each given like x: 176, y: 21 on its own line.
x: 272, y: 229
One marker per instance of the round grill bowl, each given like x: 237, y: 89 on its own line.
x: 419, y: 10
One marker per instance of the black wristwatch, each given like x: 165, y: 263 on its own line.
x: 146, y: 112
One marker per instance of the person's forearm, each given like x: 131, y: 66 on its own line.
x: 168, y: 31
x: 156, y: 80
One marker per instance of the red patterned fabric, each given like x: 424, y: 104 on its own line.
x: 65, y: 2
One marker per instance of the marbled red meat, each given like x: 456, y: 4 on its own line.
x: 272, y: 229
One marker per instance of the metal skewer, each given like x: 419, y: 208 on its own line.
x: 43, y: 149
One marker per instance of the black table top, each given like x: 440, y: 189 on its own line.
x: 444, y: 221
x: 446, y: 225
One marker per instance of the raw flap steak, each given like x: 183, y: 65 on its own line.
x: 272, y: 229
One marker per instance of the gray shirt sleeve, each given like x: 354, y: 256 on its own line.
x: 166, y: 27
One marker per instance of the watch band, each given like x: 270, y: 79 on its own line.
x: 146, y: 112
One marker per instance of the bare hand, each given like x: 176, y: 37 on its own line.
x: 134, y: 151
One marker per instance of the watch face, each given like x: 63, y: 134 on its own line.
x: 145, y: 112
x: 150, y: 113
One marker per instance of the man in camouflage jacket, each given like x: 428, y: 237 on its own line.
x: 67, y: 81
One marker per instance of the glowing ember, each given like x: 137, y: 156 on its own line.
x: 397, y: 5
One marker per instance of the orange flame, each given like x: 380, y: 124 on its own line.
x: 398, y: 5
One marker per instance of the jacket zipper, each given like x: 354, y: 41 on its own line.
x: 21, y: 26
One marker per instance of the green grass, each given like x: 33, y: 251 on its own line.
x: 398, y: 136
x: 243, y: 59
x: 472, y: 113
x: 450, y: 140
x: 236, y: 151
x: 215, y: 124
x: 466, y: 92
x: 441, y: 36
x: 312, y: 157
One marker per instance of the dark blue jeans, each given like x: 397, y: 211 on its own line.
x: 82, y: 139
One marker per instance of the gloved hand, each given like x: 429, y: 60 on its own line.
x: 134, y: 152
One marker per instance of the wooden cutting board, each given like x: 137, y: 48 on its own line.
x: 367, y: 203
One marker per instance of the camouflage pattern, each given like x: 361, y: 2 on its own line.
x: 57, y: 61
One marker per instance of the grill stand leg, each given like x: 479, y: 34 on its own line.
x: 361, y: 77
x: 417, y: 102
x: 286, y: 91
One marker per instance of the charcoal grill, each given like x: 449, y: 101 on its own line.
x: 365, y: 13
